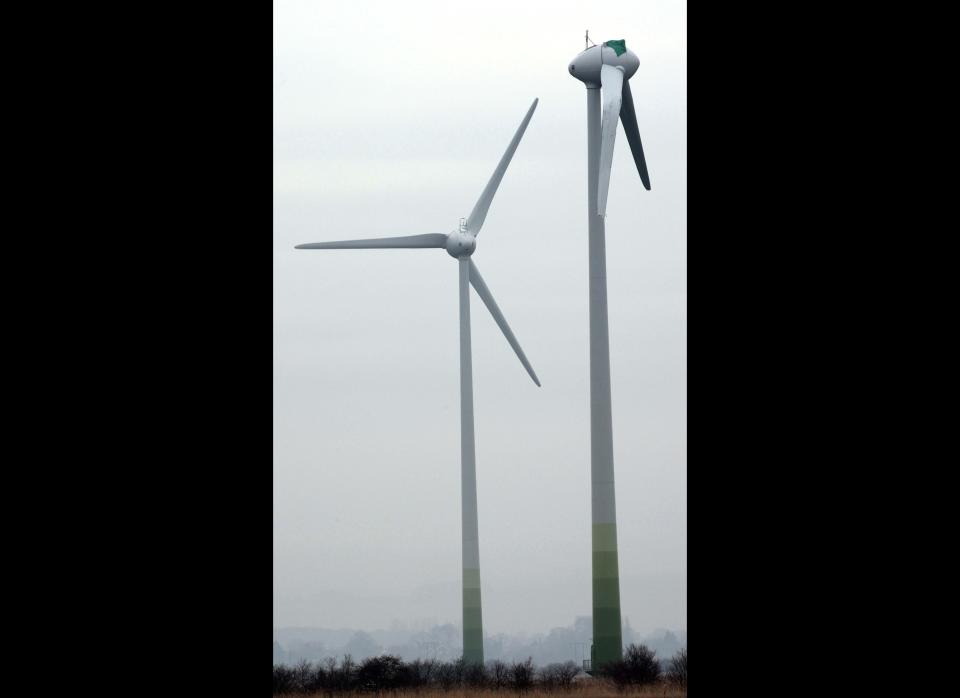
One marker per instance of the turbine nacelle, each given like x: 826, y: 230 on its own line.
x: 608, y: 68
x: 586, y: 66
x: 461, y: 243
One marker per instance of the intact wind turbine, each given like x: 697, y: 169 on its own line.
x: 460, y: 244
x: 607, y: 67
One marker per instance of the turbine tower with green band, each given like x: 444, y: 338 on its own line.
x: 605, y: 68
x: 461, y: 244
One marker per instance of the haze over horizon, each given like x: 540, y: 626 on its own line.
x: 388, y: 120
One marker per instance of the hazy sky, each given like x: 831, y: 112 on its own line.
x: 389, y: 117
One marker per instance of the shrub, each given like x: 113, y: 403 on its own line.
x: 450, y: 674
x: 384, y: 673
x: 639, y: 666
x: 558, y: 675
x: 678, y: 668
x: 499, y: 674
x: 521, y: 675
x: 340, y: 678
x: 303, y: 677
x: 475, y: 675
x: 422, y: 672
x: 282, y: 679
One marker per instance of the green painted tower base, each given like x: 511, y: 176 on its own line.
x: 472, y: 618
x: 607, y: 632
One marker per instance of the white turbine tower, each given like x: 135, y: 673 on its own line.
x: 607, y: 67
x: 461, y: 244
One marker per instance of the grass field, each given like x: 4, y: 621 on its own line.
x: 592, y: 689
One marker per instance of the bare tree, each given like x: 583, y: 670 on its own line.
x: 499, y: 674
x: 678, y: 668
x: 521, y: 675
x: 343, y: 677
x: 558, y: 675
x: 423, y: 672
x: 639, y: 666
x: 283, y: 680
x: 475, y: 675
x: 450, y: 674
x: 303, y: 676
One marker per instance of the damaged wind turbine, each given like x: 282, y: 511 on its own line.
x: 610, y: 66
x: 607, y: 67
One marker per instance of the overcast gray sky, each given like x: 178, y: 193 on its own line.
x: 389, y: 117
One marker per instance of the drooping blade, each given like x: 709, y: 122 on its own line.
x: 494, y: 309
x: 611, y: 79
x: 479, y: 213
x: 628, y: 116
x: 410, y: 241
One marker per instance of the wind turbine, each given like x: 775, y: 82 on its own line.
x: 461, y: 244
x: 606, y: 67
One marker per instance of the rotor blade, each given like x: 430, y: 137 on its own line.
x: 428, y: 240
x: 628, y: 116
x: 494, y: 309
x: 479, y: 212
x: 612, y: 81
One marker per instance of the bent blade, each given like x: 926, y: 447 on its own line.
x: 611, y: 79
x: 410, y: 241
x: 487, y: 298
x: 479, y: 213
x: 628, y: 116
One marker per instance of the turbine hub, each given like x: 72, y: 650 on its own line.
x: 586, y: 66
x: 461, y: 243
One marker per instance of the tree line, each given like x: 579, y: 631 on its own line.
x: 639, y: 666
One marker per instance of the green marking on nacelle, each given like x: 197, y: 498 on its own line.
x: 618, y: 45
